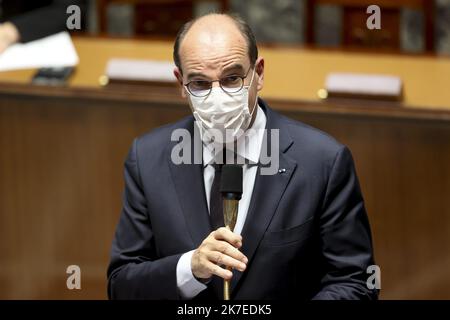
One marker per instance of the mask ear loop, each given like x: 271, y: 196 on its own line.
x: 256, y: 100
x: 254, y: 107
x: 251, y: 81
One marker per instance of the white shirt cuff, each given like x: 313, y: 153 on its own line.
x: 188, y: 286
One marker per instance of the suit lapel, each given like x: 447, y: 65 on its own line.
x: 190, y: 190
x: 188, y: 181
x: 267, y: 193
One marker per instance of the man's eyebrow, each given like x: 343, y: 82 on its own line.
x: 195, y: 74
x: 234, y: 67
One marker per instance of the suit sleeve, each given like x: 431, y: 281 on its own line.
x: 45, y: 21
x: 135, y: 270
x: 345, y: 235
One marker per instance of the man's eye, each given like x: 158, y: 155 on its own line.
x: 231, y: 80
x: 200, y: 84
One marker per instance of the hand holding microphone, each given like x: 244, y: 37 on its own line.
x: 221, y: 246
x: 231, y: 189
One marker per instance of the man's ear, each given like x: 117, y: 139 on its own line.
x: 259, y: 69
x: 179, y: 76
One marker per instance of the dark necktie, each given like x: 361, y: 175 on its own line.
x: 216, y: 219
x: 215, y: 200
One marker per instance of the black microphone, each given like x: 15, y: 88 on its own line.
x: 231, y: 181
x: 231, y: 189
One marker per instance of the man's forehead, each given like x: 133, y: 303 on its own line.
x: 212, y: 43
x: 213, y: 27
x: 215, y: 47
x: 214, y: 56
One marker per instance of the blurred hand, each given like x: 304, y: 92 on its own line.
x: 8, y: 35
x: 219, y: 248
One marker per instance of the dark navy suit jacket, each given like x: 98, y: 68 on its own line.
x: 306, y: 234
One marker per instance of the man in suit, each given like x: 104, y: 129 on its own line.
x: 24, y: 21
x: 302, y: 231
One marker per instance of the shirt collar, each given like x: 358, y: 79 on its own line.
x: 248, y: 146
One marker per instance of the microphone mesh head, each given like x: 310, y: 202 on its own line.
x: 231, y: 180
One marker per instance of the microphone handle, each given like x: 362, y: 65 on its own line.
x: 230, y: 211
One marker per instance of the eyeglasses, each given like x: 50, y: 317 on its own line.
x: 229, y: 84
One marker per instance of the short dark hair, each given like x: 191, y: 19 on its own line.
x: 243, y: 27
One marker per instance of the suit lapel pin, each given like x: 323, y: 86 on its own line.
x: 282, y: 170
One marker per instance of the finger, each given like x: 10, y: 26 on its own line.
x: 228, y: 236
x: 222, y: 259
x: 218, y: 271
x: 227, y: 249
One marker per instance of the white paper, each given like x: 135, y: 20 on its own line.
x: 53, y: 51
x: 371, y: 84
x: 142, y: 70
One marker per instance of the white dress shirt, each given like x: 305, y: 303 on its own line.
x: 248, y: 148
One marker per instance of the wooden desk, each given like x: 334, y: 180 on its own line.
x: 291, y: 73
x: 62, y: 152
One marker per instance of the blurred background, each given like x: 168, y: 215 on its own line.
x: 408, y: 26
x: 71, y: 106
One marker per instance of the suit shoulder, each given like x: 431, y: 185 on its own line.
x: 312, y: 147
x: 312, y: 141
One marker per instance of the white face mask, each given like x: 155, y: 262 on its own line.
x: 223, y: 117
